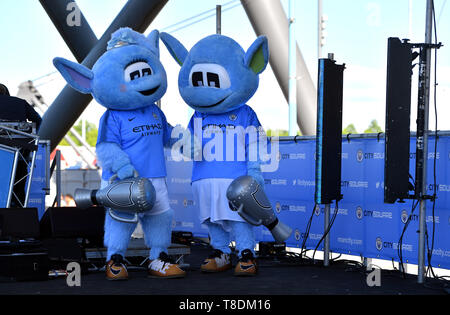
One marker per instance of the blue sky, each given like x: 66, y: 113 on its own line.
x: 357, y: 35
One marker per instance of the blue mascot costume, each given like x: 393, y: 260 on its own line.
x: 216, y: 79
x: 128, y: 79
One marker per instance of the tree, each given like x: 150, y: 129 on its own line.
x: 374, y: 127
x: 350, y: 129
x: 91, y: 134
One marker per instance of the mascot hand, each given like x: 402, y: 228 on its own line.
x: 126, y: 171
x: 254, y: 170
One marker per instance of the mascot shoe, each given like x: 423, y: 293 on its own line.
x: 116, y: 269
x: 246, y: 265
x: 164, y: 268
x: 217, y: 262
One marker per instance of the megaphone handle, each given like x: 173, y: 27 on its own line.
x: 117, y: 218
x: 247, y: 218
x: 114, y: 177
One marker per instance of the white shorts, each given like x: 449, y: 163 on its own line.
x: 211, y: 196
x: 162, y: 203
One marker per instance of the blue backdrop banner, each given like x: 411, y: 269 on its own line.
x: 364, y: 226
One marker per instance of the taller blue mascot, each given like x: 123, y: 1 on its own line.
x: 128, y: 79
x: 216, y: 79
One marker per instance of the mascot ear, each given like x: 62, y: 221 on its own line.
x: 78, y: 76
x: 176, y: 49
x: 154, y: 41
x: 257, y: 56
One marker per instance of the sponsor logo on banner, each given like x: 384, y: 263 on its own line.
x: 412, y: 156
x: 317, y: 210
x: 278, y: 207
x: 359, y: 213
x: 293, y: 208
x: 297, y: 235
x: 303, y: 183
x: 292, y: 156
x: 430, y: 219
x: 440, y: 188
x: 379, y: 243
x: 378, y: 214
x: 354, y: 184
x: 360, y: 156
x: 389, y: 245
x: 349, y: 241
x: 276, y: 182
x: 404, y: 216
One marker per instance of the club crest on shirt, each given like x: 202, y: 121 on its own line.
x: 155, y: 116
x: 233, y: 117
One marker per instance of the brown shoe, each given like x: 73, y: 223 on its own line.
x: 247, y: 265
x: 216, y: 262
x: 163, y: 268
x: 116, y: 269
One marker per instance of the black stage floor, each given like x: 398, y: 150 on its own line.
x: 274, y: 279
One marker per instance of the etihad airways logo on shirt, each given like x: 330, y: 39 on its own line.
x: 148, y: 130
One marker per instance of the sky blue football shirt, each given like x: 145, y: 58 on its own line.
x: 142, y: 135
x: 225, y: 144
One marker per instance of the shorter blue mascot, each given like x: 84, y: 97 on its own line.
x: 216, y: 79
x: 128, y: 79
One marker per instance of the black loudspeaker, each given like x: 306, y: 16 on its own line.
x: 398, y: 118
x: 329, y: 132
x: 20, y: 223
x: 73, y: 223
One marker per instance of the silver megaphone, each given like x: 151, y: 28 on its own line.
x: 135, y: 195
x: 248, y: 198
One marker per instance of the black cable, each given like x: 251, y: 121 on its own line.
x: 308, y: 228
x: 328, y: 229
x: 400, y: 242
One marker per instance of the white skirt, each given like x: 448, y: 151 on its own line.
x: 211, y: 197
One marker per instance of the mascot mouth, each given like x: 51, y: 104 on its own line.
x: 149, y: 92
x: 217, y: 104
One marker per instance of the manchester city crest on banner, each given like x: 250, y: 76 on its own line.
x: 404, y: 216
x: 317, y: 210
x: 297, y: 235
x: 360, y: 156
x: 278, y: 207
x: 379, y: 244
x: 359, y: 213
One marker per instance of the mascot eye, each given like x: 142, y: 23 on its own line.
x: 210, y: 75
x: 135, y: 75
x: 136, y: 70
x: 146, y: 72
x: 213, y: 80
x: 197, y: 79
